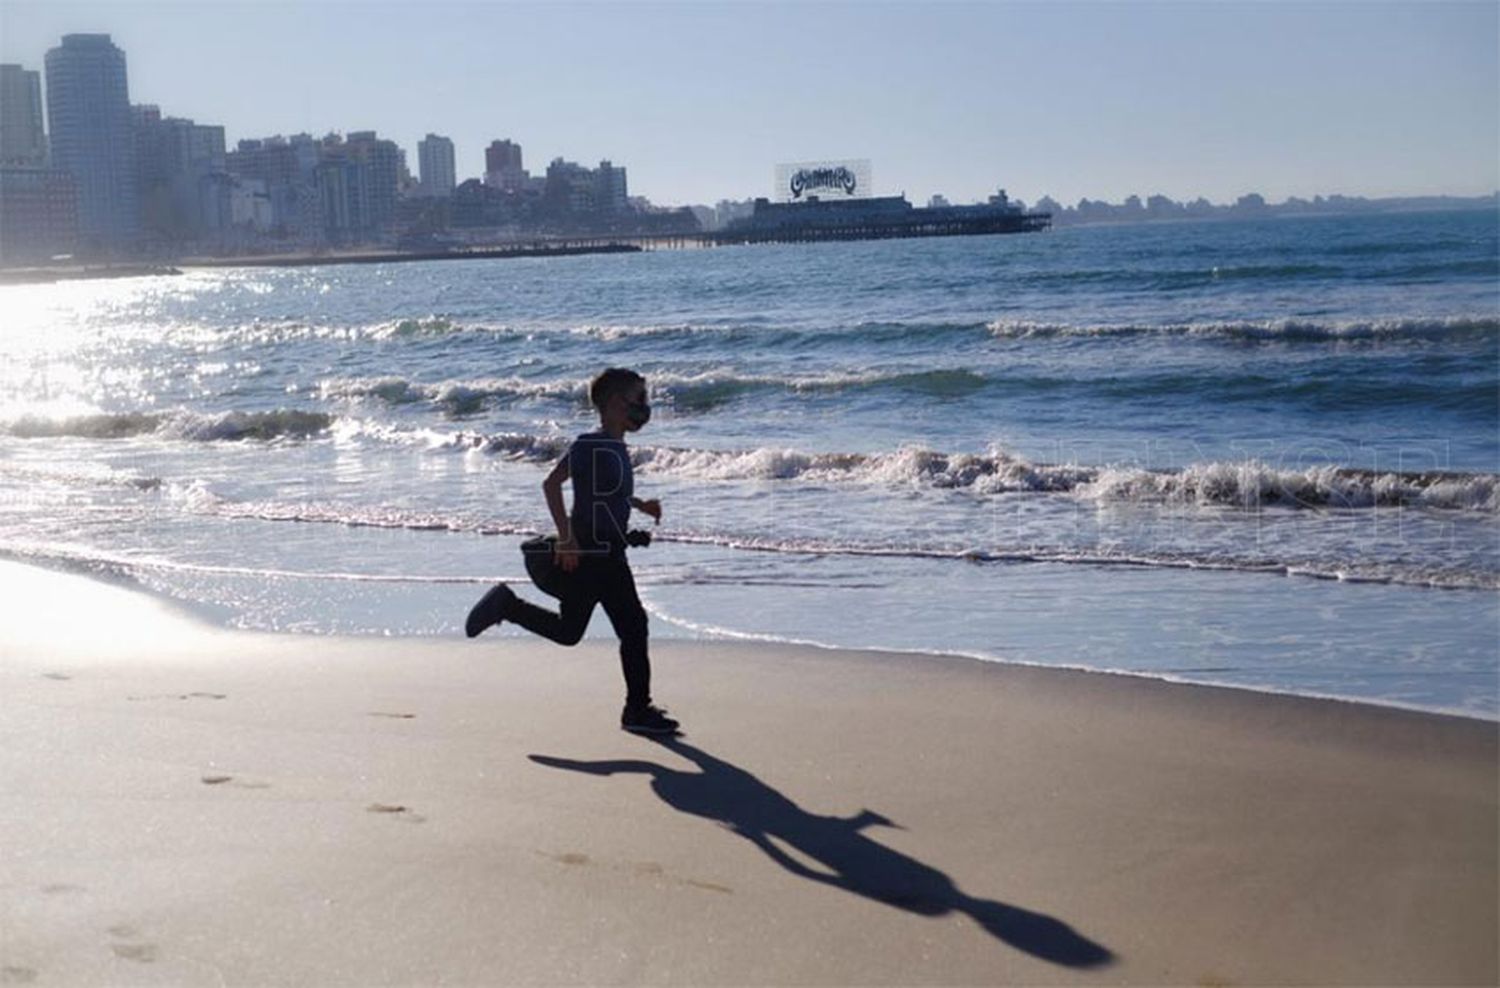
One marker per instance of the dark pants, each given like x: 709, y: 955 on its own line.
x: 605, y: 580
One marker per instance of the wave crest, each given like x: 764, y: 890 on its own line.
x: 1285, y: 330
x: 1252, y: 484
x: 456, y: 397
x: 181, y: 424
x: 684, y: 392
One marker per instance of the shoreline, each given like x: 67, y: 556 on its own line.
x: 195, y: 805
x: 107, y: 573
x: 1165, y: 678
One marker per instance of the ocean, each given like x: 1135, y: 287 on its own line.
x: 1255, y: 453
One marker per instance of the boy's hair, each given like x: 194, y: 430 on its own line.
x: 611, y: 382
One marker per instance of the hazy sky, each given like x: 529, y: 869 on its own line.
x: 701, y: 100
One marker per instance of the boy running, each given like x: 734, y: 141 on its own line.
x: 591, y: 547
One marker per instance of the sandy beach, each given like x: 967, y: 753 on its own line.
x: 182, y: 804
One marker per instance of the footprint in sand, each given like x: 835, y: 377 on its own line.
x: 396, y: 810
x: 219, y: 780
x: 644, y: 869
x: 140, y: 953
x: 708, y: 886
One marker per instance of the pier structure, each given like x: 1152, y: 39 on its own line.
x: 875, y: 218
x: 807, y: 221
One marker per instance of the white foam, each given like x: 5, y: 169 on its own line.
x: 1243, y: 484
x: 1266, y: 330
x: 1253, y: 484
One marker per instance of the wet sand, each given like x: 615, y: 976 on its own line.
x: 182, y: 804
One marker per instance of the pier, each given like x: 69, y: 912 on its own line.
x: 918, y: 227
x: 777, y: 225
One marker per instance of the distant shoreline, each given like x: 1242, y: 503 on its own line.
x: 624, y: 244
x: 89, y: 272
x: 399, y: 256
x: 82, y: 272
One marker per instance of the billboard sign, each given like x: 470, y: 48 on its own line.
x: 800, y: 181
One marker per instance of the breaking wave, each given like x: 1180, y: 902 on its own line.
x: 456, y: 397
x: 1242, y: 484
x: 752, y: 335
x: 1251, y: 484
x: 684, y: 392
x: 184, y: 425
x: 989, y: 473
x: 1239, y: 484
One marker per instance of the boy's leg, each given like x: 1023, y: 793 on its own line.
x: 617, y: 594
x: 567, y: 626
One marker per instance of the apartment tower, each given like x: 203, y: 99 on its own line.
x: 89, y: 117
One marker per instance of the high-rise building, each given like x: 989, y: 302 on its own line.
x: 570, y: 187
x: 436, y: 165
x: 501, y: 155
x: 503, y: 168
x: 38, y: 205
x: 357, y: 180
x: 38, y: 214
x: 180, y: 167
x: 610, y: 195
x: 23, y: 140
x: 384, y: 162
x: 285, y: 172
x: 88, y: 113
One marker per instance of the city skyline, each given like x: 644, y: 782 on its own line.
x: 1088, y: 100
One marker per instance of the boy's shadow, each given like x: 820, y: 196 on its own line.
x: 847, y: 858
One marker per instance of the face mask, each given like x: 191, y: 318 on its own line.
x: 638, y: 413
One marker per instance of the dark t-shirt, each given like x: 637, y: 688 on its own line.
x: 602, y: 487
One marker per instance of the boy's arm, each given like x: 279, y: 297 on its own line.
x: 651, y: 507
x: 552, y: 488
x: 567, y: 549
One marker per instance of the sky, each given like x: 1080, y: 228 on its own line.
x: 700, y: 101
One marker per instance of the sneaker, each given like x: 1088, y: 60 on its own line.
x: 490, y: 610
x: 647, y: 720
